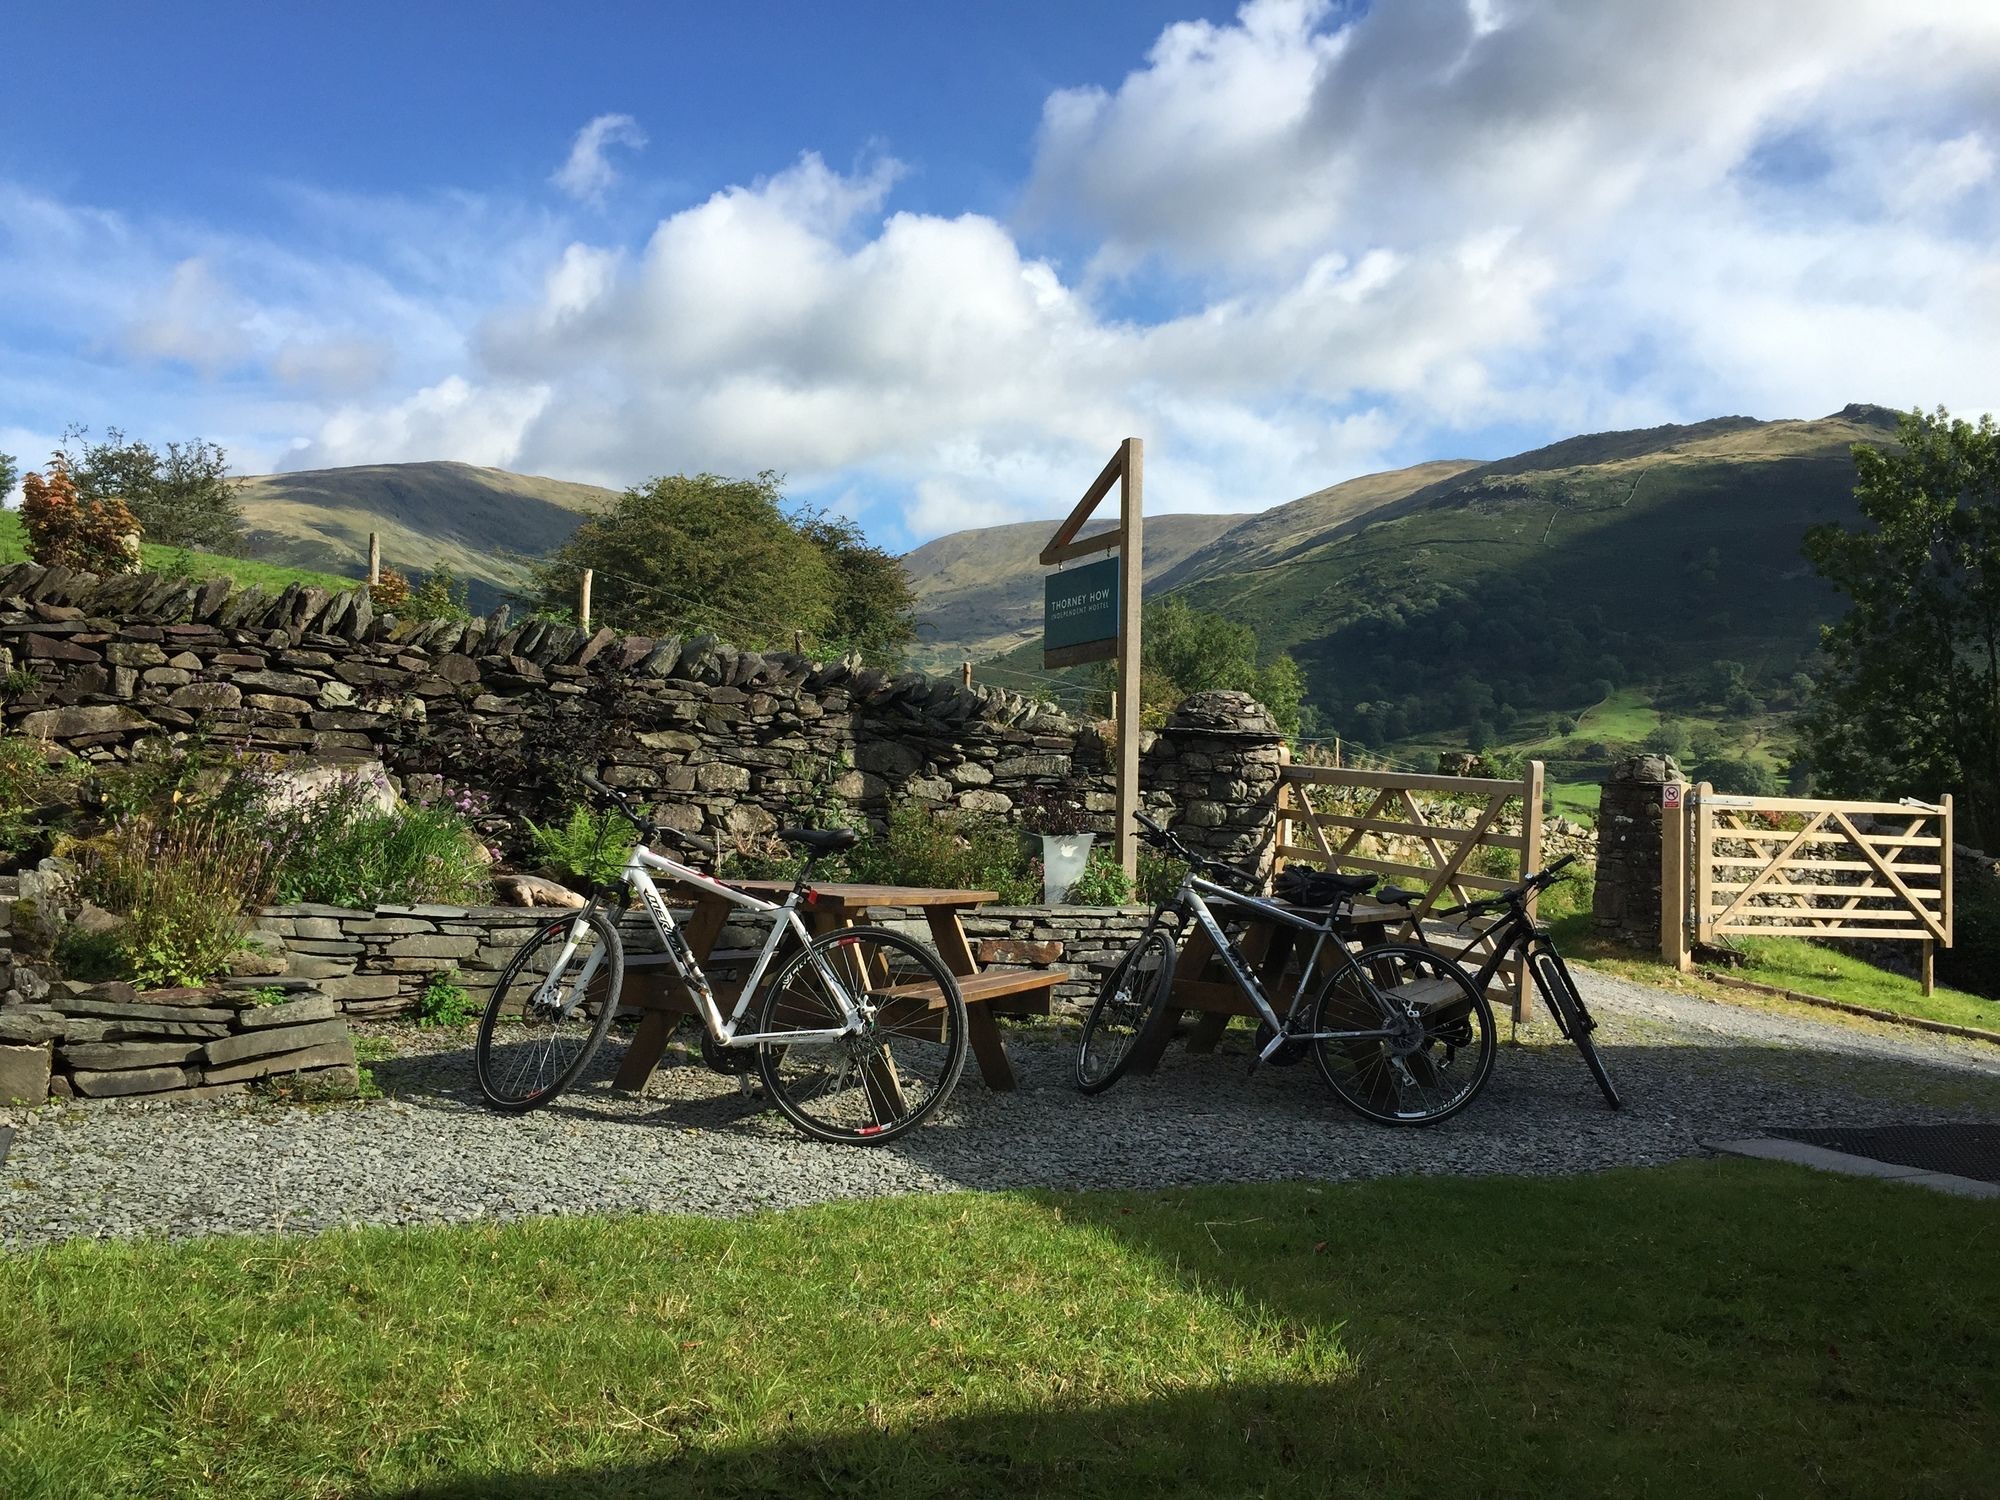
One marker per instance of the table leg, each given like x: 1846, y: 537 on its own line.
x: 649, y: 1041
x: 994, y: 1065
x: 1192, y: 959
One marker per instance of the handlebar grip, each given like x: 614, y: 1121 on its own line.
x: 1147, y: 823
x: 1562, y: 864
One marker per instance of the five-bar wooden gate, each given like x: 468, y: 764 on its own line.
x: 1800, y: 867
x: 1426, y: 832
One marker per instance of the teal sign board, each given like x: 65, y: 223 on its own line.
x: 1080, y: 614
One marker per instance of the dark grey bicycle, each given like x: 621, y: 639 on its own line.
x: 1400, y: 1033
x: 1518, y: 931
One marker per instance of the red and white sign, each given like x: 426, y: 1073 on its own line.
x: 1670, y: 794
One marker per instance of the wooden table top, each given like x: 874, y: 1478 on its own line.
x: 856, y: 897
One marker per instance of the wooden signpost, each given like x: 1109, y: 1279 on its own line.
x: 1092, y: 614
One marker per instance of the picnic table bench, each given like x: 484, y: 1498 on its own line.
x: 652, y: 987
x: 1202, y: 985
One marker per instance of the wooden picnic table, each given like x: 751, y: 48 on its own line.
x: 661, y: 998
x: 1202, y: 984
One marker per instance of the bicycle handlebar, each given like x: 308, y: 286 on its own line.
x: 1162, y: 837
x: 646, y: 827
x: 1540, y: 881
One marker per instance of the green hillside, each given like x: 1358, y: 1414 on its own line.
x: 483, y: 524
x: 1559, y: 602
x: 271, y: 577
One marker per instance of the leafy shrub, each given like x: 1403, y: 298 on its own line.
x: 1103, y: 881
x: 1571, y: 896
x: 588, y: 850
x: 964, y: 851
x: 444, y: 1002
x: 65, y: 530
x: 36, y: 784
x: 1160, y: 875
x: 390, y: 593
x: 187, y: 879
x: 91, y: 956
x: 1054, y: 811
x: 340, y: 847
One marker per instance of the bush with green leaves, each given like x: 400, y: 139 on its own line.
x: 955, y: 851
x: 444, y: 1001
x: 37, y: 783
x: 1103, y: 881
x: 1160, y: 875
x: 587, y: 850
x: 187, y: 878
x: 342, y: 846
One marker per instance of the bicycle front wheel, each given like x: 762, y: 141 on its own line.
x: 872, y: 1085
x: 549, y: 1011
x: 1558, y: 991
x: 1440, y: 1050
x: 1127, y: 1007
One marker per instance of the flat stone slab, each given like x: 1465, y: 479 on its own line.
x: 6, y: 1140
x: 110, y: 1057
x: 1962, y: 1150
x: 232, y: 1049
x: 329, y: 1055
x: 129, y: 1081
x: 112, y: 1010
x: 290, y: 1013
x: 1767, y: 1148
x: 24, y: 1074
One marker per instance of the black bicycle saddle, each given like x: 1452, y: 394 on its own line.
x: 821, y: 840
x: 1395, y: 895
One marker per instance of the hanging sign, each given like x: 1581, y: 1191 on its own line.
x: 1080, y: 614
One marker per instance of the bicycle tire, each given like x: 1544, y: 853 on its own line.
x: 1559, y: 993
x: 838, y: 1091
x: 1133, y: 1015
x: 538, y: 1059
x: 1365, y: 1076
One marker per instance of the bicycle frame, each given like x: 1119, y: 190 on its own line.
x: 636, y: 876
x: 1189, y: 898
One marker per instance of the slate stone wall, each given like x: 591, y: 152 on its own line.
x: 729, y: 743
x: 1627, y: 903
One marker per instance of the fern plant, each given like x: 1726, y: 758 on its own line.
x: 586, y: 850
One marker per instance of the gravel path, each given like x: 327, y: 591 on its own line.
x: 1690, y: 1070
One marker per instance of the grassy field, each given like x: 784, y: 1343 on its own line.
x: 270, y: 576
x: 1795, y: 964
x: 1708, y: 1328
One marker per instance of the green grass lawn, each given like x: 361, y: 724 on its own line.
x: 1709, y: 1328
x: 1795, y: 964
x: 271, y: 577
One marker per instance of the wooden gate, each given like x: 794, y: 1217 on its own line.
x: 1426, y: 833
x: 1801, y: 867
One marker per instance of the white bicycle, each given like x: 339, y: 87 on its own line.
x: 859, y: 1036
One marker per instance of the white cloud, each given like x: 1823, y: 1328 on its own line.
x: 1313, y: 241
x: 587, y: 173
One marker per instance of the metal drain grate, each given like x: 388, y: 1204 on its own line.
x: 1961, y: 1150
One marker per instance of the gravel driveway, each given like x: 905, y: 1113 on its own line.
x: 1690, y: 1071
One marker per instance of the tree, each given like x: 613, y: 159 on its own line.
x: 67, y: 531
x: 705, y: 553
x: 1185, y: 650
x: 182, y: 498
x: 874, y: 606
x: 1909, y: 698
x: 9, y: 472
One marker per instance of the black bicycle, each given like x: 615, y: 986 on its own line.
x: 1400, y: 1033
x: 1518, y: 930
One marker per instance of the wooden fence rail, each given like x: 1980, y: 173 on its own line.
x: 1402, y: 826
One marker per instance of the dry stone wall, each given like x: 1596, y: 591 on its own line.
x: 730, y: 743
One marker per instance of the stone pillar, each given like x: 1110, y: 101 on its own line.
x: 1216, y: 763
x: 1627, y: 907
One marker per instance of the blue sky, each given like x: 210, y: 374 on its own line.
x: 933, y: 261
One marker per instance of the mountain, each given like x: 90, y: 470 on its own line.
x: 481, y: 523
x: 1660, y: 565
x: 979, y: 592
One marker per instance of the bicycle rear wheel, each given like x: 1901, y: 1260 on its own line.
x: 1442, y: 1055
x: 547, y: 1016
x: 1558, y: 990
x: 872, y: 1086
x: 1128, y: 1005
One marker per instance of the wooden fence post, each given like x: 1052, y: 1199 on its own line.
x: 583, y: 599
x: 965, y: 673
x: 374, y: 558
x: 1531, y: 861
x: 1673, y: 878
x: 1281, y: 830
